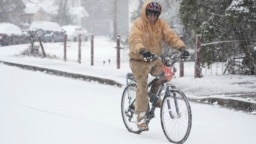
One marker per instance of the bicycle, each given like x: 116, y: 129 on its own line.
x: 175, y: 112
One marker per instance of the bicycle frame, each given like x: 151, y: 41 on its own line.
x: 169, y: 89
x: 166, y: 86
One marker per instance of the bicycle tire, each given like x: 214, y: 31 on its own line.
x: 176, y: 127
x: 128, y: 97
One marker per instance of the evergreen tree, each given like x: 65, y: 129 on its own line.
x: 241, y: 16
x: 219, y: 20
x: 7, y: 7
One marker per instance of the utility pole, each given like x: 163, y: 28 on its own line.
x: 59, y: 11
x: 115, y: 20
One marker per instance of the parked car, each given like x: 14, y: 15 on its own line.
x: 4, y: 39
x: 73, y: 32
x: 10, y: 34
x: 52, y: 31
x: 54, y: 36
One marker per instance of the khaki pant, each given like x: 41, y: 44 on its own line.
x: 140, y: 71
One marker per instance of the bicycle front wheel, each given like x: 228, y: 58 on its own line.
x: 128, y: 108
x: 176, y: 117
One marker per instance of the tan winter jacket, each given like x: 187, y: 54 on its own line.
x: 150, y: 37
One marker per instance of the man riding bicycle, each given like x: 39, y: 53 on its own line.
x: 145, y: 39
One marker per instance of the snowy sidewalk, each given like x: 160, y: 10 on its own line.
x: 241, y: 101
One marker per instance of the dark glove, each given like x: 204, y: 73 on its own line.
x: 184, y: 54
x: 147, y: 56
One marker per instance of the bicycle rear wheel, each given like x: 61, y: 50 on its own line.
x: 176, y: 117
x: 128, y: 107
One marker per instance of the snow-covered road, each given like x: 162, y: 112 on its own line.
x: 38, y: 108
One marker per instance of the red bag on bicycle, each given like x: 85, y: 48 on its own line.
x: 168, y: 73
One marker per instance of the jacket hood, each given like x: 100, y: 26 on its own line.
x: 143, y: 10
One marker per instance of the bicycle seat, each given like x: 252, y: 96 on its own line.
x: 130, y: 76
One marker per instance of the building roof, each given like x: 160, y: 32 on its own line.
x: 79, y: 12
x: 32, y: 8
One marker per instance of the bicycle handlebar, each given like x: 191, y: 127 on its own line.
x: 168, y: 60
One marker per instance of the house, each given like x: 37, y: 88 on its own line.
x: 32, y: 13
x: 107, y: 17
x: 79, y: 14
x: 48, y: 10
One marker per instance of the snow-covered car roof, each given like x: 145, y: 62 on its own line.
x: 45, y: 25
x: 9, y: 29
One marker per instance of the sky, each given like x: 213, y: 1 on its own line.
x: 37, y: 108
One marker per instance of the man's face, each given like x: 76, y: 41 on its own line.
x: 152, y: 19
x: 152, y: 16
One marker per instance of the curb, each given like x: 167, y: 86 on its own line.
x: 65, y: 74
x: 228, y: 103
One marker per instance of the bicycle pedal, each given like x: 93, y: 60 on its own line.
x: 141, y: 130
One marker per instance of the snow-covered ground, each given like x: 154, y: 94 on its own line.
x: 37, y: 108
